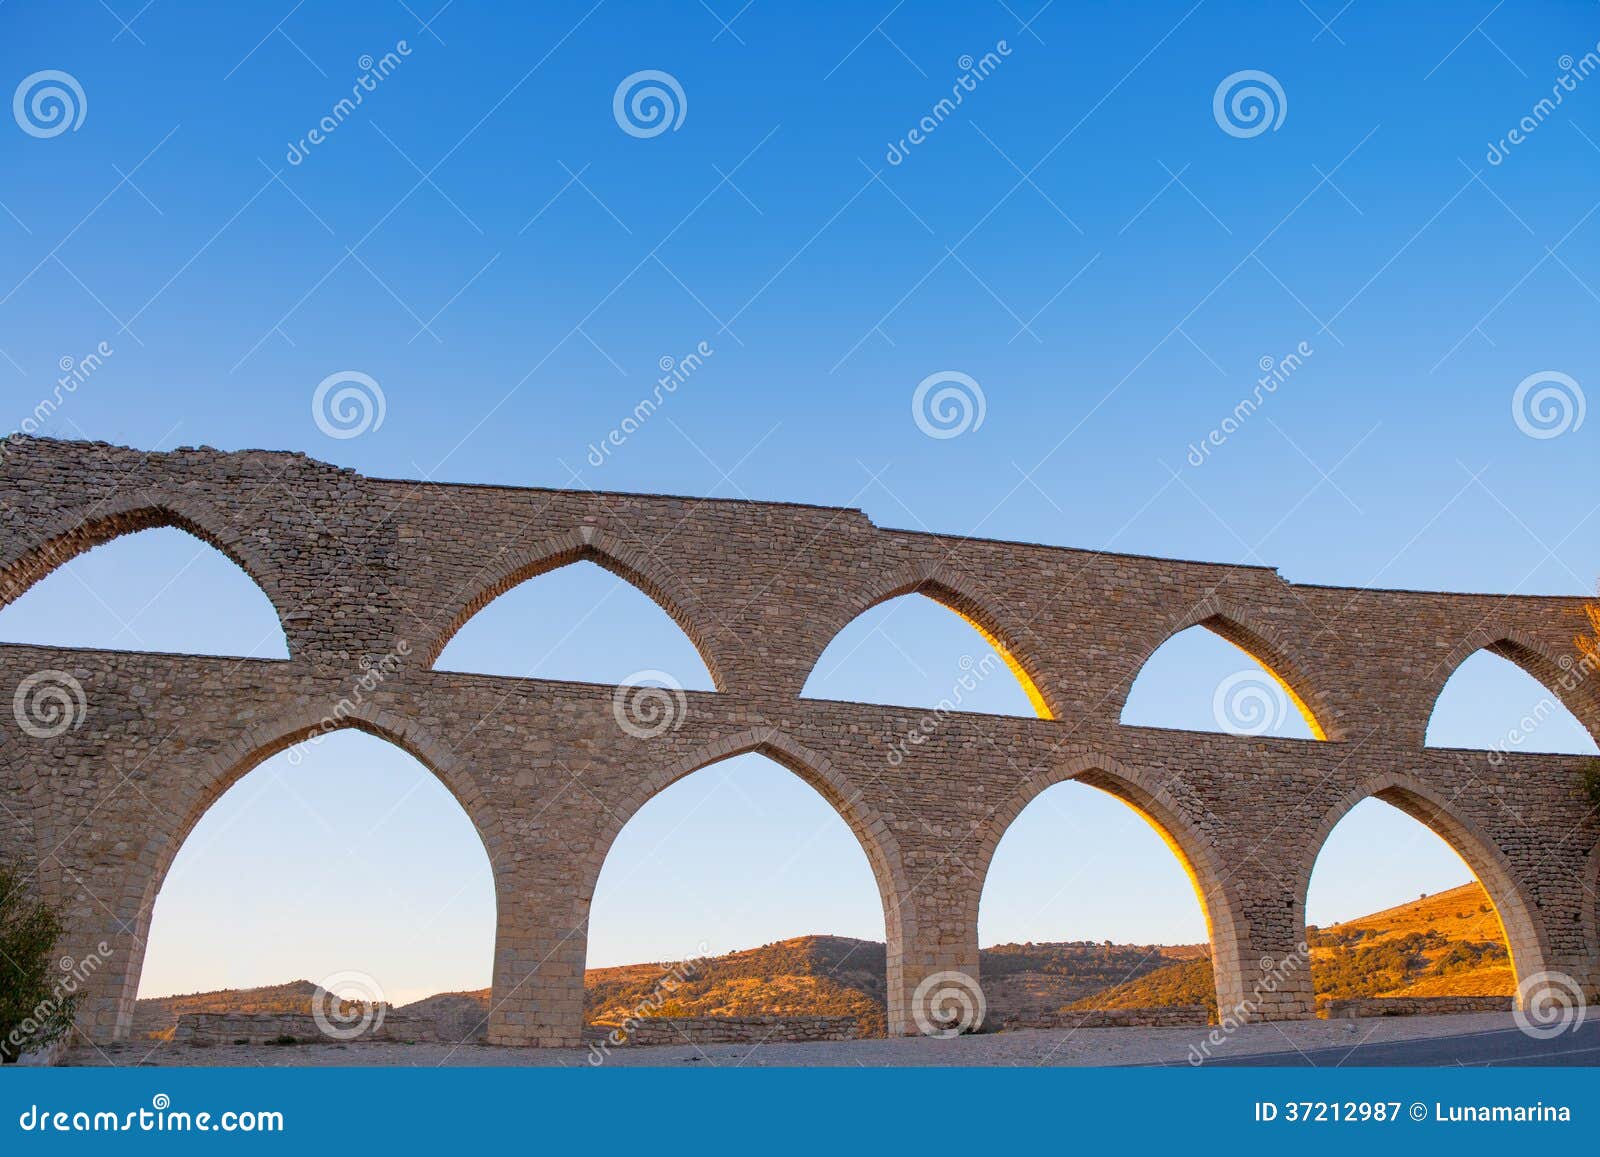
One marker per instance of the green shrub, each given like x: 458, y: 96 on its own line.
x: 37, y: 1001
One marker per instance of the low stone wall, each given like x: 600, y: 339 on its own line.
x: 1412, y: 1005
x: 709, y: 1030
x: 1171, y: 1016
x: 265, y: 1028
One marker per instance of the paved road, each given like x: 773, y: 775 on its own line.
x: 1500, y: 1047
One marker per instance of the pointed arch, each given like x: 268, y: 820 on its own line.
x: 248, y: 751
x: 1261, y: 642
x: 582, y: 544
x: 870, y: 828
x: 1521, y: 925
x: 1573, y: 679
x: 1226, y: 925
x: 88, y: 527
x: 1011, y: 640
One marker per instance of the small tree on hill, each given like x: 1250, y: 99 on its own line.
x: 34, y: 1009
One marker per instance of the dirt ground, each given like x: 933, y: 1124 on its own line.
x: 1090, y: 1046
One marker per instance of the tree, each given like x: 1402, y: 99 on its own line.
x: 37, y: 1002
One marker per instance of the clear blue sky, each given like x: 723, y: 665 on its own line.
x: 1081, y: 236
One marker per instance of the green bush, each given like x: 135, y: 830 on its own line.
x: 1589, y: 777
x: 36, y: 1006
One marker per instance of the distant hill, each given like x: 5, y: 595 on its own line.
x: 1446, y: 944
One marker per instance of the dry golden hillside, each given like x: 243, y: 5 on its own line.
x: 1447, y: 944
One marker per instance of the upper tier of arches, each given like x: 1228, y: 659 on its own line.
x: 1061, y: 679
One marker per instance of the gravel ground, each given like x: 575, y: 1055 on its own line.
x: 1090, y: 1046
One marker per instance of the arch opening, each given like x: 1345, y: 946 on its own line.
x: 925, y: 648
x: 295, y: 883
x: 161, y: 588
x: 1406, y: 900
x: 1090, y: 902
x: 1494, y: 701
x: 1215, y: 677
x: 581, y: 620
x: 804, y: 923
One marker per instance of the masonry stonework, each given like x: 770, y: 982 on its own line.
x: 377, y: 575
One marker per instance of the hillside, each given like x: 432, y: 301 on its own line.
x: 1446, y: 944
x: 157, y: 1016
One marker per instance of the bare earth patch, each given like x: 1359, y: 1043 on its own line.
x: 1029, y: 1047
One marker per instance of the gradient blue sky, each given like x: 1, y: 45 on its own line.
x: 1080, y: 236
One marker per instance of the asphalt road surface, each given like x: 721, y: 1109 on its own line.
x: 1500, y: 1047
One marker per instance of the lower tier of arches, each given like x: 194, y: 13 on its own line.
x: 548, y: 777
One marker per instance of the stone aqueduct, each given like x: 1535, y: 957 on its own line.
x: 357, y: 566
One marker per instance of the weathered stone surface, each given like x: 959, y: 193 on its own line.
x: 371, y: 577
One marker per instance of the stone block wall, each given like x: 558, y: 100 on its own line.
x: 1413, y: 1005
x: 1169, y: 1016
x: 264, y: 1028
x: 714, y: 1030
